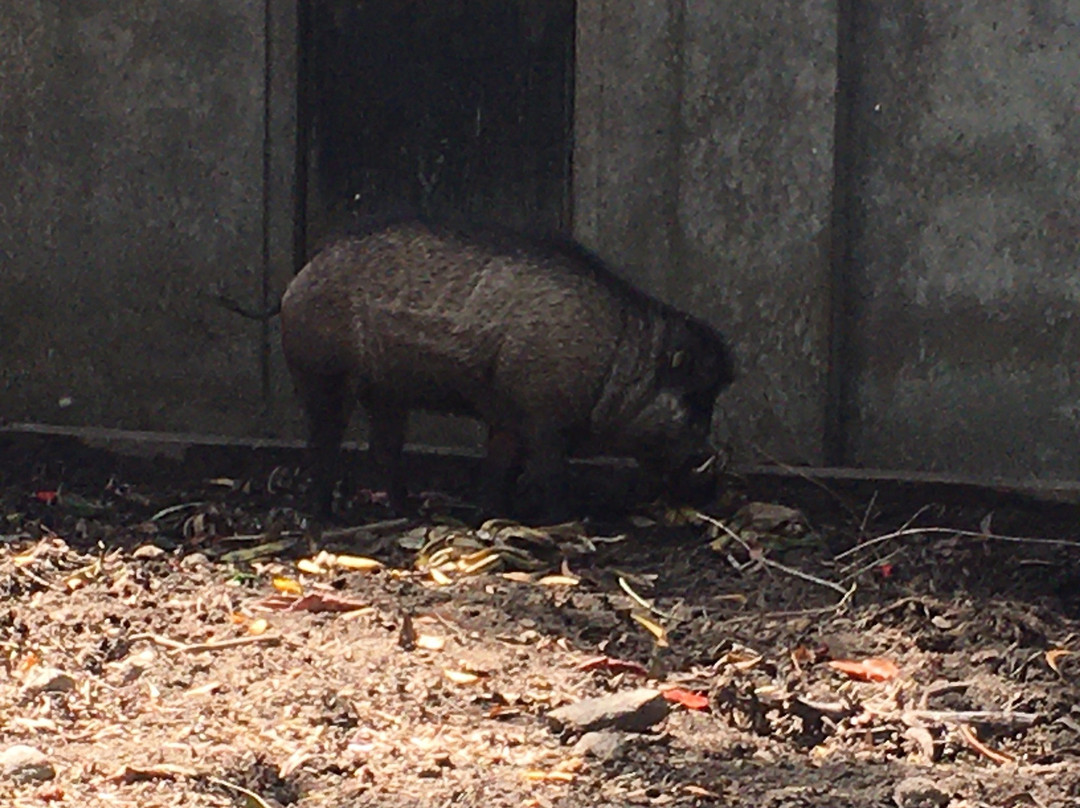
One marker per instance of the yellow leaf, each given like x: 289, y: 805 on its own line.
x: 357, y: 563
x: 537, y: 776
x: 440, y: 577
x: 558, y: 580
x: 258, y: 626
x: 461, y: 677
x: 287, y: 586
x: 518, y: 577
x: 430, y: 642
x: 477, y: 562
x: 310, y: 567
x: 654, y: 628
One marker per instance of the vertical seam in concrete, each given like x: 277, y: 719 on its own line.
x: 569, y: 107
x: 677, y: 53
x: 841, y: 292
x: 303, y: 128
x: 600, y: 203
x: 264, y: 352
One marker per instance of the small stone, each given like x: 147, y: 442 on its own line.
x: 600, y: 745
x: 631, y: 711
x: 25, y: 764
x: 919, y: 792
x: 48, y: 680
x: 192, y: 560
x: 130, y: 669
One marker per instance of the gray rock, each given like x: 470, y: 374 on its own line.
x: 194, y: 561
x: 25, y: 764
x: 47, y: 680
x: 919, y: 792
x: 630, y: 710
x: 601, y: 745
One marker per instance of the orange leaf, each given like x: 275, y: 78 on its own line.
x: 687, y: 698
x: 1055, y: 654
x: 874, y: 669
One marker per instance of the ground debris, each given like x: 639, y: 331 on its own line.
x: 630, y: 710
x: 25, y: 764
x: 317, y: 669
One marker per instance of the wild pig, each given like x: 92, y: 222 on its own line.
x: 538, y: 339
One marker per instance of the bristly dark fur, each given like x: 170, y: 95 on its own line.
x: 533, y: 243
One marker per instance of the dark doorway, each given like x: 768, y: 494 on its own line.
x: 460, y: 107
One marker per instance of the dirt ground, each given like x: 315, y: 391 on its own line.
x: 171, y: 635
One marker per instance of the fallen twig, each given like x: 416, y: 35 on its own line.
x: 806, y: 576
x: 970, y: 534
x: 972, y: 740
x: 359, y: 530
x: 1002, y: 718
x: 176, y: 647
x: 251, y: 795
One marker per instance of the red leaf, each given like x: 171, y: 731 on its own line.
x: 614, y: 665
x: 874, y: 669
x: 687, y: 698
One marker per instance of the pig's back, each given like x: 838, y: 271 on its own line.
x: 459, y: 322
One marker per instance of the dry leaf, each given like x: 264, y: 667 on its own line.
x: 315, y: 602
x: 518, y: 577
x: 558, y: 580
x: 356, y: 563
x: 537, y: 776
x: 698, y: 791
x: 1052, y: 657
x: 310, y: 567
x: 430, y: 642
x: 654, y: 628
x: 687, y: 698
x: 972, y: 740
x: 461, y: 677
x: 616, y: 666
x: 258, y: 626
x: 922, y: 738
x: 287, y: 586
x: 440, y: 577
x: 873, y: 669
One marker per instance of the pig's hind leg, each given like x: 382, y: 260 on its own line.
x: 386, y: 439
x: 543, y: 490
x: 328, y: 401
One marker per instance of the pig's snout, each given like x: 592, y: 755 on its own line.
x: 671, y: 431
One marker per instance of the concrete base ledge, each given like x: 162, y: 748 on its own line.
x: 175, y: 445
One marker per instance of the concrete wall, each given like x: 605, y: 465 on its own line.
x: 131, y: 182
x: 966, y: 340
x: 703, y: 164
x: 149, y: 154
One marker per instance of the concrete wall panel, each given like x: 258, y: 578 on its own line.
x: 703, y: 163
x: 968, y: 246
x: 131, y: 182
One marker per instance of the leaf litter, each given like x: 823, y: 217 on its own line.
x: 189, y: 643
